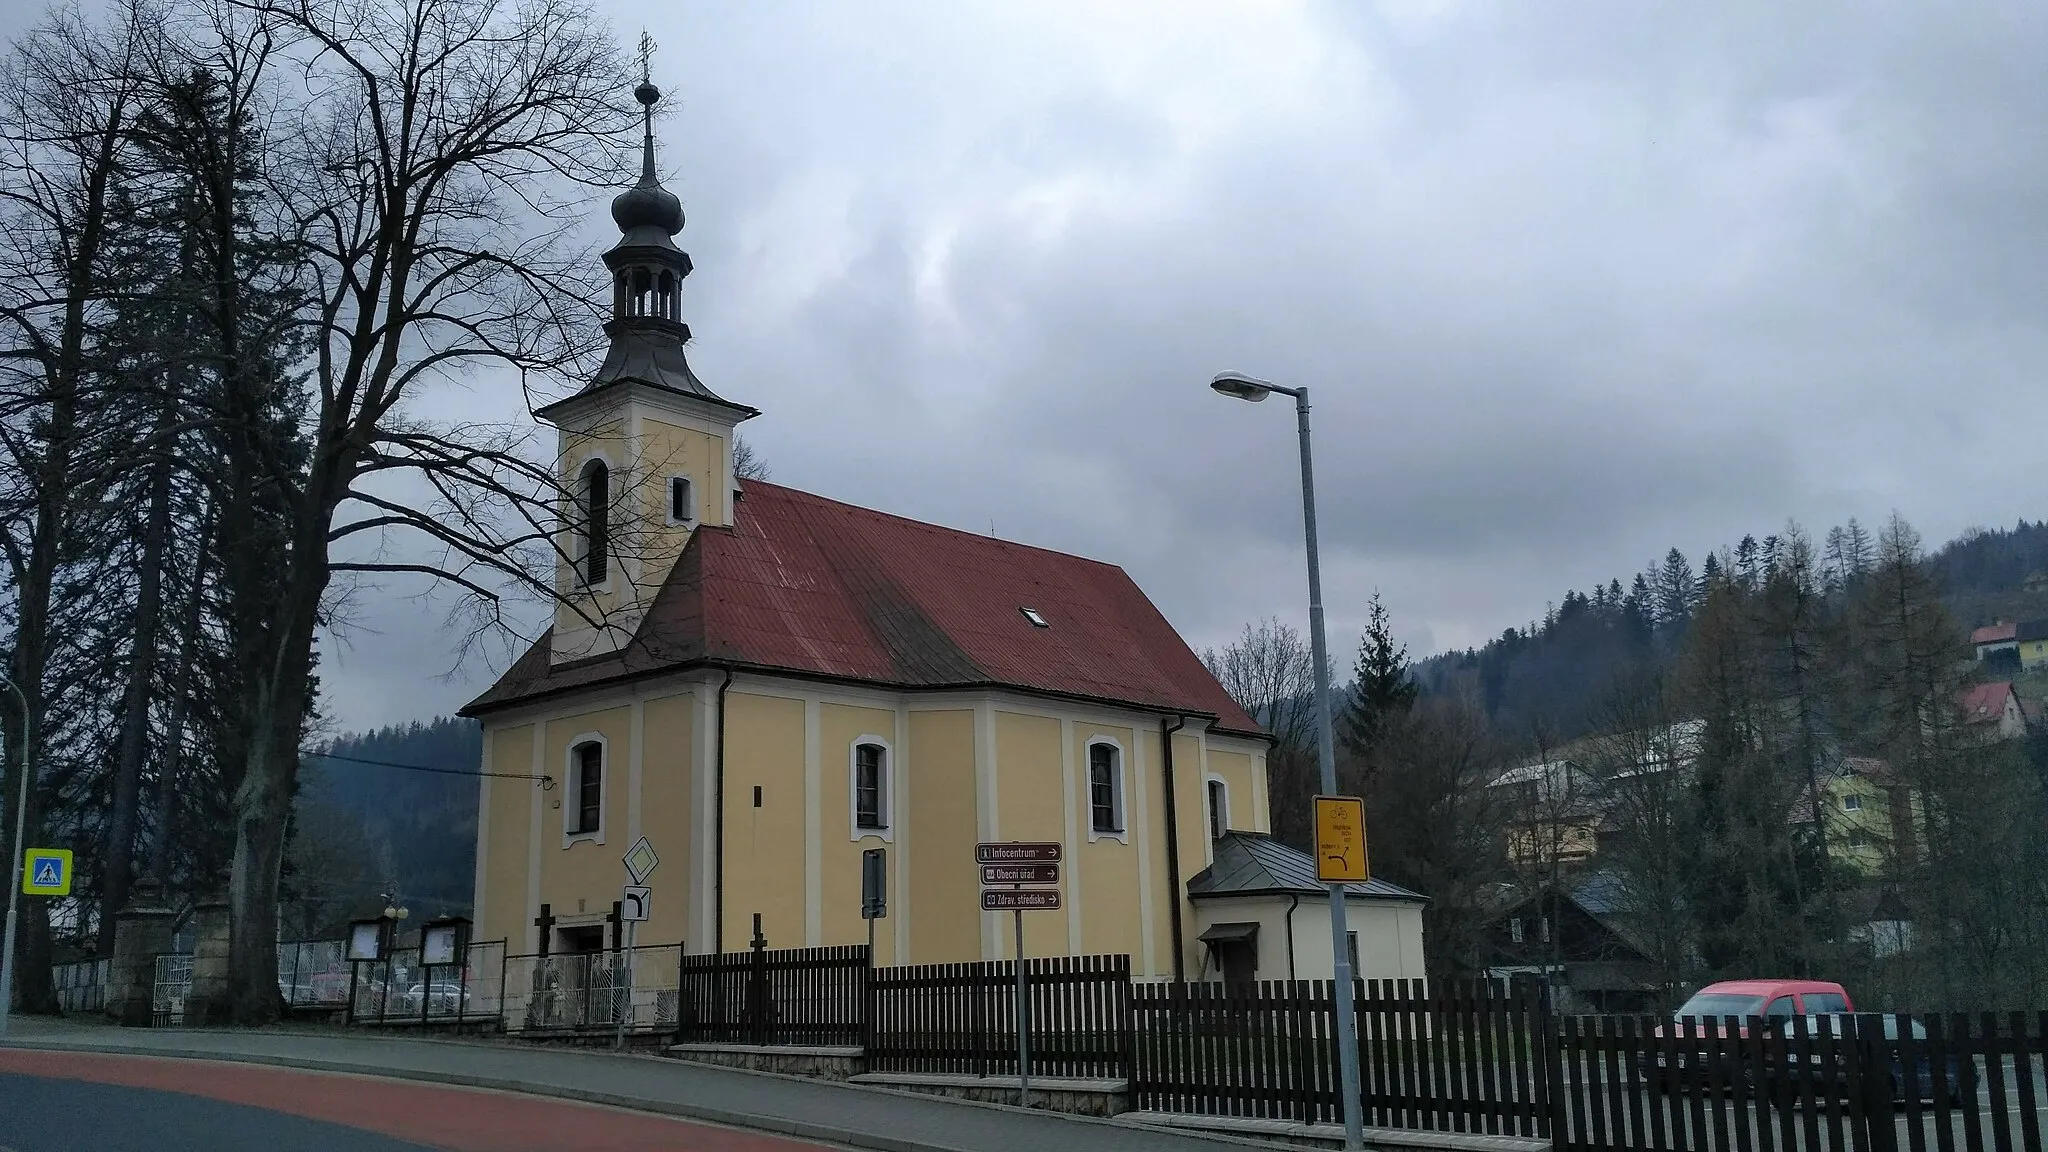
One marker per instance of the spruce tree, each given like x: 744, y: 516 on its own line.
x: 1382, y: 692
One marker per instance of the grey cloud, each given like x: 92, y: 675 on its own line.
x: 1569, y: 288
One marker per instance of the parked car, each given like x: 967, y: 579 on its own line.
x: 449, y: 998
x: 1959, y: 1074
x: 1771, y: 1001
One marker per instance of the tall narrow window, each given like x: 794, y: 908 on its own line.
x: 870, y: 784
x: 589, y: 788
x: 1219, y: 809
x: 597, y: 500
x: 1105, y: 789
x: 682, y: 507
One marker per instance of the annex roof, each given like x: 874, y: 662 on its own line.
x: 1255, y: 864
x: 814, y: 587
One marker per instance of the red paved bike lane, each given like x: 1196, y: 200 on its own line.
x: 455, y: 1119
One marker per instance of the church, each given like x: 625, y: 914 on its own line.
x: 765, y: 683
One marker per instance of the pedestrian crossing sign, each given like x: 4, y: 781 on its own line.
x: 47, y: 872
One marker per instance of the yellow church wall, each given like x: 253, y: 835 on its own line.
x: 764, y: 846
x: 672, y: 450
x: 945, y: 900
x: 1164, y: 889
x: 507, y: 826
x: 588, y: 869
x: 1029, y: 797
x: 1107, y: 872
x: 1193, y: 839
x: 839, y: 727
x: 1235, y: 770
x: 667, y: 726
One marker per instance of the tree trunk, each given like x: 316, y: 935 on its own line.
x: 174, y: 744
x: 118, y: 869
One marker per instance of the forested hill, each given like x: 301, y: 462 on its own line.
x: 421, y: 826
x: 1552, y: 675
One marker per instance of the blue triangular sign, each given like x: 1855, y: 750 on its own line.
x: 48, y: 873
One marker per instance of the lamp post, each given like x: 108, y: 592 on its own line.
x: 1248, y: 388
x: 14, y: 851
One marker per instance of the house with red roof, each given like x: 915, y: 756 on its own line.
x: 766, y: 685
x: 1994, y: 711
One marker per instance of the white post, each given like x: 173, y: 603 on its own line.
x: 14, y: 860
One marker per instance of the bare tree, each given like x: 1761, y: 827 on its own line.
x: 1270, y: 672
x: 425, y: 163
x: 66, y: 98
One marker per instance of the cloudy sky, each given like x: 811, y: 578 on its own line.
x: 1570, y: 283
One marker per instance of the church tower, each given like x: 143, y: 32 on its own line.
x: 645, y: 449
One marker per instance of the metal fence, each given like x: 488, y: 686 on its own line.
x: 400, y: 990
x: 173, y: 983
x: 313, y: 973
x: 81, y: 987
x: 633, y: 990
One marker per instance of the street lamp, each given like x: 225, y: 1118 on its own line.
x: 1250, y: 388
x: 14, y: 864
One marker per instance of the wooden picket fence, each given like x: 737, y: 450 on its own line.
x: 962, y: 1018
x: 1467, y: 1059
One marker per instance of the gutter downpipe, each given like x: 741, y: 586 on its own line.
x: 1292, y: 902
x: 718, y: 835
x: 1180, y: 974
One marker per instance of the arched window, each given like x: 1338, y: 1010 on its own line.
x: 586, y: 784
x: 1219, y: 807
x: 597, y: 499
x: 868, y: 787
x: 1105, y: 789
x: 682, y: 502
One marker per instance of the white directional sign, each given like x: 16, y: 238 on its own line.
x: 640, y: 860
x: 636, y: 904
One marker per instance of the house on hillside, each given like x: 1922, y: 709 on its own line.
x: 1577, y: 938
x: 766, y: 683
x: 2030, y: 637
x: 1869, y: 814
x: 1993, y: 711
x: 1997, y: 645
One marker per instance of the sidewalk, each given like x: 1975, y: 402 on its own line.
x: 866, y: 1118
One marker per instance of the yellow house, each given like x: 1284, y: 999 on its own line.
x: 1870, y: 816
x: 765, y: 683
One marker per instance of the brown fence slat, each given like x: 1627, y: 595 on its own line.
x: 2024, y: 1048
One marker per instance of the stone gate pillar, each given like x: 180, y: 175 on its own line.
x: 208, y: 1003
x: 141, y: 930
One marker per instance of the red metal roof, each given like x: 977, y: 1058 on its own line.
x: 810, y: 586
x: 1986, y: 702
x: 1994, y: 634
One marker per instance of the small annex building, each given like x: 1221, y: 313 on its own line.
x: 765, y: 683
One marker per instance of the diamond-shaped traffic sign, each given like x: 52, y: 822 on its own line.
x: 640, y: 860
x: 46, y: 872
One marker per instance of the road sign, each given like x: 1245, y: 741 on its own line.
x: 46, y: 872
x: 874, y: 884
x: 1016, y: 852
x: 1020, y: 899
x: 636, y: 904
x: 1020, y: 873
x: 1340, y: 840
x: 640, y: 860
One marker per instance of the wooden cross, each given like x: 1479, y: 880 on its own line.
x: 617, y: 920
x: 546, y: 923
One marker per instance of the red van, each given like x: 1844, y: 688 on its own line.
x: 1708, y: 1011
x: 1771, y: 999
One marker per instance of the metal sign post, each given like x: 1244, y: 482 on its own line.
x: 874, y: 893
x: 1017, y: 864
x: 636, y: 903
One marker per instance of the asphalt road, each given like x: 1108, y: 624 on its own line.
x: 78, y: 1102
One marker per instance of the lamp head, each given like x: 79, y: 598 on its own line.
x: 1241, y: 386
